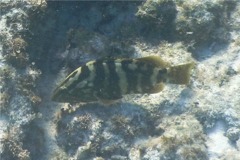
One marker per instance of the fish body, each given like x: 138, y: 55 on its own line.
x: 109, y: 79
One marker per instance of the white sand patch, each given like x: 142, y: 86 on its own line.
x: 218, y: 144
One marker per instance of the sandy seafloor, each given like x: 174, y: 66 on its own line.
x: 41, y: 42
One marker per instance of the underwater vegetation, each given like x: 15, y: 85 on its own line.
x: 183, y: 138
x: 157, y: 18
x: 188, y: 21
x: 100, y: 132
x: 42, y: 42
x: 18, y: 56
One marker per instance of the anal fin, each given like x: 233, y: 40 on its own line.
x: 108, y: 102
x: 157, y: 88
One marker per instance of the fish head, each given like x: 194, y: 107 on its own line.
x: 75, y: 88
x: 64, y: 94
x: 61, y: 94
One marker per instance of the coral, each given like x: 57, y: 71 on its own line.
x: 16, y: 108
x: 12, y: 149
x: 134, y: 154
x: 233, y: 20
x: 192, y: 152
x: 231, y: 154
x: 6, y: 74
x: 121, y: 125
x: 18, y: 57
x: 201, y: 22
x: 83, y: 152
x: 133, y: 126
x: 26, y: 84
x: 183, y: 138
x: 233, y: 134
x: 78, y: 130
x: 38, y: 2
x: 105, y: 132
x: 189, y: 21
x: 20, y: 110
x: 193, y: 18
x: 157, y: 17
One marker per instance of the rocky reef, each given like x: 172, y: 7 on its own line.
x: 41, y: 42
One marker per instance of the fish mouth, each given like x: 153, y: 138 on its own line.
x: 57, y: 96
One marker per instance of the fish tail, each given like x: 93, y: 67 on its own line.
x: 179, y: 74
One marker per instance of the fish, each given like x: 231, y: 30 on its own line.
x: 107, y: 80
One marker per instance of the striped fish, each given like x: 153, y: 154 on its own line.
x: 107, y: 80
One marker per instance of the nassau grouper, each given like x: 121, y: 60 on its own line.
x: 107, y: 80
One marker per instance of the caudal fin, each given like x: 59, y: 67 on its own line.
x: 180, y: 74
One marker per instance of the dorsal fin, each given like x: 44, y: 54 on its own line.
x: 155, y: 60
